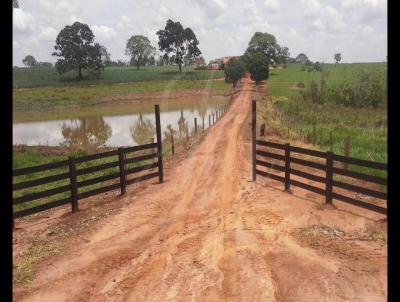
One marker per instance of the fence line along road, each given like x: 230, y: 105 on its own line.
x: 73, y: 172
x: 328, y: 167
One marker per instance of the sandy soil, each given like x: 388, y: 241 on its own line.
x: 210, y: 234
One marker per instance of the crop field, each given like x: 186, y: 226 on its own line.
x: 364, y: 125
x: 39, y: 77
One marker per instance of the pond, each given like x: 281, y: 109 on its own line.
x: 134, y: 128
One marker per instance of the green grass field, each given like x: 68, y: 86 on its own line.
x: 41, y: 98
x: 366, y: 127
x: 282, y: 81
x: 39, y: 77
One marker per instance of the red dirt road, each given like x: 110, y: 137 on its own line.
x: 210, y: 234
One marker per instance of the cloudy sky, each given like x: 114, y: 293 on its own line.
x: 319, y: 28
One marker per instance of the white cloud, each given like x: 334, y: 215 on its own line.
x: 103, y: 32
x: 272, y: 5
x: 124, y: 22
x: 48, y: 34
x: 22, y: 21
x: 223, y: 27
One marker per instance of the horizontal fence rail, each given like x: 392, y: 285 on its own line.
x: 72, y: 186
x: 263, y: 158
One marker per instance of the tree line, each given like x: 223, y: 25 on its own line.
x: 263, y: 50
x: 76, y: 49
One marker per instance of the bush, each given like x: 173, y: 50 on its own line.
x: 300, y: 84
x: 368, y: 90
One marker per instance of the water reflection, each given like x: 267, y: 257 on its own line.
x: 86, y: 133
x: 182, y: 126
x: 112, y: 131
x: 142, y: 131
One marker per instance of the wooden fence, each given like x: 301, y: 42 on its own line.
x: 328, y: 167
x: 73, y: 173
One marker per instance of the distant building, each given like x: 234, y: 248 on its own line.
x: 220, y: 62
x: 226, y: 59
x: 215, y: 64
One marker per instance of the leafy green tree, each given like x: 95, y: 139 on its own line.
x: 283, y: 55
x: 45, y: 64
x: 257, y: 65
x: 301, y: 58
x: 265, y: 43
x: 77, y: 50
x: 139, y: 49
x: 29, y: 61
x: 317, y: 66
x: 179, y: 41
x: 234, y: 71
x: 337, y: 57
x: 105, y: 56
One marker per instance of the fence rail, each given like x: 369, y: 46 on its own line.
x: 73, y: 172
x: 328, y: 167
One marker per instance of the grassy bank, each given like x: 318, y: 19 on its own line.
x: 60, y: 97
x: 366, y: 127
x: 39, y: 77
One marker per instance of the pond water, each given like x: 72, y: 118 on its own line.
x: 113, y: 131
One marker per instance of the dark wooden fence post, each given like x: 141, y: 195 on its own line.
x: 172, y: 141
x: 122, y: 177
x: 73, y: 185
x: 262, y: 129
x: 203, y: 123
x: 346, y: 151
x: 195, y: 126
x: 152, y: 150
x: 159, y: 144
x: 329, y: 177
x: 253, y: 132
x: 287, y: 167
x: 331, y: 141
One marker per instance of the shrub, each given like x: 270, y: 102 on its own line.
x: 300, y: 84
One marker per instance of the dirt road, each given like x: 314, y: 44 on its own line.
x: 209, y: 234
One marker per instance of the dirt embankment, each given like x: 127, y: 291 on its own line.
x: 210, y: 234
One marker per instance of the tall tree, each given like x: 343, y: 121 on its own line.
x: 257, y: 65
x: 29, y: 61
x: 105, y: 56
x: 179, y: 41
x: 234, y: 71
x: 77, y: 50
x: 301, y: 58
x: 337, y: 57
x: 265, y: 43
x: 283, y: 55
x: 139, y: 49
